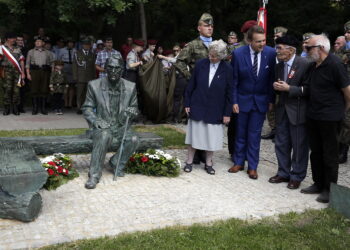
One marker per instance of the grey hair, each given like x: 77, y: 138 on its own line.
x: 323, y: 41
x: 220, y: 47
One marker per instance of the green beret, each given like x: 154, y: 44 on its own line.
x: 206, y: 18
x: 347, y: 26
x: 280, y: 29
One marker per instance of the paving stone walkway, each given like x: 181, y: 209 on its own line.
x: 138, y: 203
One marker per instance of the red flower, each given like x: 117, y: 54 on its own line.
x: 50, y: 171
x: 51, y: 163
x: 132, y: 159
x: 66, y: 173
x: 59, y: 169
x: 144, y: 159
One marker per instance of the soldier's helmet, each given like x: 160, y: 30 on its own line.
x: 232, y: 33
x: 307, y: 36
x: 280, y: 29
x: 347, y: 26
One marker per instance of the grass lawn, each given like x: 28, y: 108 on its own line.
x: 172, y: 137
x: 313, y: 229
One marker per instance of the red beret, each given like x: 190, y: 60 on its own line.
x: 139, y: 42
x: 152, y: 42
x: 247, y: 25
x: 168, y: 52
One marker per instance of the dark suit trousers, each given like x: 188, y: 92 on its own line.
x: 231, y: 130
x: 323, y: 140
x: 248, y: 136
x: 291, y: 149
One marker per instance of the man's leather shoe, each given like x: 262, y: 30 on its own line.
x: 7, y: 110
x: 278, y: 179
x: 91, y: 183
x: 270, y: 135
x: 323, y: 197
x: 293, y: 184
x: 235, y: 169
x: 252, y: 174
x: 313, y: 189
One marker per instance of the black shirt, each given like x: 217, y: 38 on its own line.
x: 326, y: 97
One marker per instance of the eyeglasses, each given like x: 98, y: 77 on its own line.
x: 308, y: 48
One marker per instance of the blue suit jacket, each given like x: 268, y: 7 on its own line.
x: 249, y: 88
x: 210, y: 104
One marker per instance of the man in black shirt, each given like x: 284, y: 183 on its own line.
x: 329, y: 92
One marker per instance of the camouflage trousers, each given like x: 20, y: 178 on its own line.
x: 344, y: 136
x: 9, y: 85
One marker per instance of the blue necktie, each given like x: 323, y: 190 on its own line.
x: 255, y: 64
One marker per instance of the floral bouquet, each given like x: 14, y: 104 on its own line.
x: 60, y: 170
x: 154, y: 163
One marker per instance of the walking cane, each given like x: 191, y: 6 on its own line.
x: 121, y: 149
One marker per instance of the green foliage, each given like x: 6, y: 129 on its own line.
x: 153, y: 163
x: 60, y: 170
x: 313, y: 229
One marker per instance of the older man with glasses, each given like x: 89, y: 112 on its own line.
x: 329, y: 98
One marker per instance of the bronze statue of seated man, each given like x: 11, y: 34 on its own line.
x: 109, y: 101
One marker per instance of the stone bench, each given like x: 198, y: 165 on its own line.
x: 77, y: 144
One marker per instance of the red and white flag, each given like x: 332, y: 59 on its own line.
x: 262, y: 18
x: 4, y: 52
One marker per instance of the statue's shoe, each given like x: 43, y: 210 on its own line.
x: 120, y: 172
x: 91, y: 183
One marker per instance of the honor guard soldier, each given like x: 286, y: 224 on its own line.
x: 38, y: 66
x: 83, y: 71
x: 12, y: 62
x: 232, y: 42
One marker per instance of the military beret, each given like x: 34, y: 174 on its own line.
x: 183, y: 45
x: 307, y: 36
x: 206, y: 18
x: 247, y: 25
x: 280, y: 29
x: 288, y: 40
x: 168, y: 52
x: 347, y: 26
x: 232, y: 33
x: 138, y: 42
x: 152, y: 42
x: 10, y: 35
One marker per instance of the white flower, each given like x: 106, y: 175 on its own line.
x: 167, y: 156
x: 47, y: 159
x: 64, y: 170
x: 179, y: 162
x: 155, y: 157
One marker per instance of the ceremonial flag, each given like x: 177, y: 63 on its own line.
x: 262, y: 18
x: 4, y: 52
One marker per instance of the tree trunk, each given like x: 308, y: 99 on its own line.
x: 24, y: 207
x: 143, y: 21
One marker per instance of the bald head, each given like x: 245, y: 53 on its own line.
x: 339, y: 43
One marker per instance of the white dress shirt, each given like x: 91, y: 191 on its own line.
x: 212, y: 70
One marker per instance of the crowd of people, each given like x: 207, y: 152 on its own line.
x: 305, y: 96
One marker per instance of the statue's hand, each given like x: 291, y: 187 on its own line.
x: 100, y: 124
x: 131, y: 112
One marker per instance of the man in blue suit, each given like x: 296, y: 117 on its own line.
x: 253, y: 75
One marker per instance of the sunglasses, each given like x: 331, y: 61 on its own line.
x: 308, y: 48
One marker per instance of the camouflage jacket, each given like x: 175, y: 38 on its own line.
x: 58, y: 82
x: 16, y: 52
x: 194, y: 51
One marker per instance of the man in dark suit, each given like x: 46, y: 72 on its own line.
x: 291, y: 87
x: 253, y: 75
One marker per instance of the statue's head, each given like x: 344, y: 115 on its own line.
x: 114, y: 68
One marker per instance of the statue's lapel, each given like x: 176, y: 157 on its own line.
x: 105, y: 93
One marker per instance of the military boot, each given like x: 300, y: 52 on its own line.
x: 15, y: 109
x: 6, y: 110
x: 343, y: 153
x: 35, y: 106
x: 43, y: 106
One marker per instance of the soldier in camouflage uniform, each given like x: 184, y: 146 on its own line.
x: 11, y: 84
x: 345, y: 130
x: 232, y: 43
x: 58, y: 86
x: 195, y: 50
